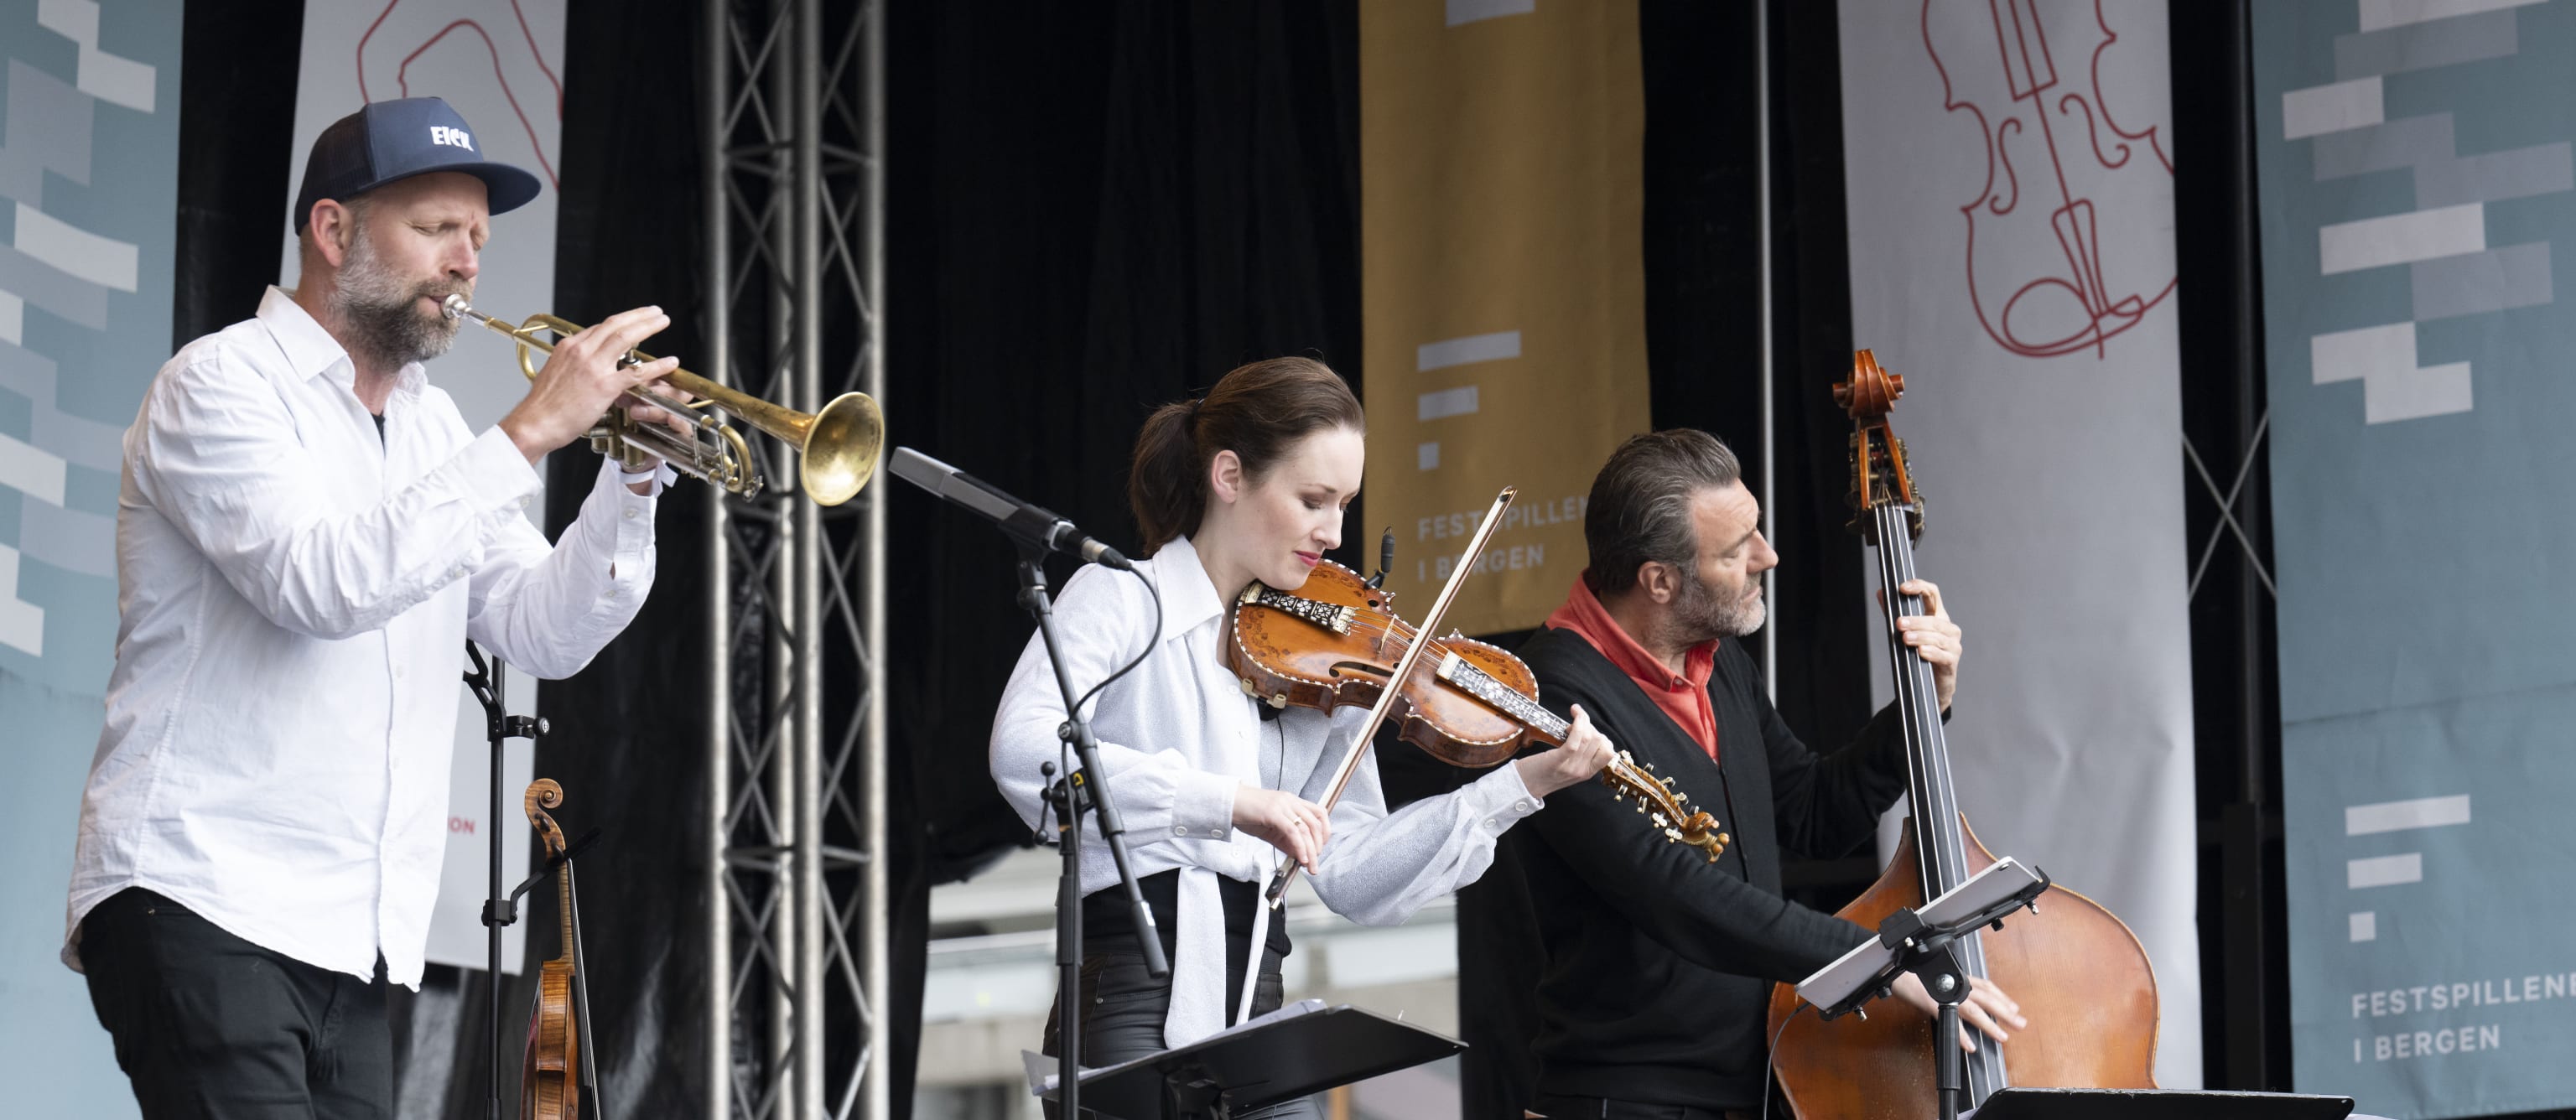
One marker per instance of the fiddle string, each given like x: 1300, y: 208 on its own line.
x: 1401, y: 630
x: 1390, y: 624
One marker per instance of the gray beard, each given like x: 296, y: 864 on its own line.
x: 1698, y: 615
x: 378, y: 320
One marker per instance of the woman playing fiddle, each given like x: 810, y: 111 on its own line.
x: 1248, y: 484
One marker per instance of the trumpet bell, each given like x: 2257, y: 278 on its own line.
x: 841, y: 447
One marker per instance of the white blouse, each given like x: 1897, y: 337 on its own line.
x: 1178, y: 736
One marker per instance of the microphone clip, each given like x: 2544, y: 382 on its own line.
x: 1385, y: 559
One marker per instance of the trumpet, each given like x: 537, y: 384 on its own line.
x: 837, y: 447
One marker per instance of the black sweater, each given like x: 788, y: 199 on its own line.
x: 1660, y: 964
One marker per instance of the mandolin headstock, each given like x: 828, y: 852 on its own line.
x: 1631, y: 781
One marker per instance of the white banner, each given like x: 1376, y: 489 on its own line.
x: 499, y: 64
x: 2009, y: 173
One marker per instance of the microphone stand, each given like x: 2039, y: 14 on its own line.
x: 486, y: 679
x: 1086, y: 788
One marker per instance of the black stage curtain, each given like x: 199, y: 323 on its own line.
x: 2244, y: 973
x: 236, y: 125
x: 626, y: 740
x: 1091, y: 211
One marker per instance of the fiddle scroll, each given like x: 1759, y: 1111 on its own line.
x: 550, y: 1078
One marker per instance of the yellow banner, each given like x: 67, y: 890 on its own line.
x: 1501, y: 204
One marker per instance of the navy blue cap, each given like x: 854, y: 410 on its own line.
x: 390, y: 140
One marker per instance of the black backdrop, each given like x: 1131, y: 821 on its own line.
x: 1093, y: 209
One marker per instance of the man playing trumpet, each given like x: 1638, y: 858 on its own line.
x: 306, y: 534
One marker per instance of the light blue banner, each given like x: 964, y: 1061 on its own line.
x: 2418, y: 208
x: 89, y: 154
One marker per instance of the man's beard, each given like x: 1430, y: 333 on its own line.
x: 1701, y: 614
x: 379, y: 316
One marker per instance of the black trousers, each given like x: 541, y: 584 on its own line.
x: 211, y: 1027
x: 1122, y: 1018
x: 1596, y: 1108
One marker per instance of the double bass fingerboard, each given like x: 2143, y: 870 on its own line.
x: 1940, y: 845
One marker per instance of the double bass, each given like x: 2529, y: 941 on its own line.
x: 2081, y: 977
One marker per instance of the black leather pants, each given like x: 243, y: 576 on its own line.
x: 1122, y: 1018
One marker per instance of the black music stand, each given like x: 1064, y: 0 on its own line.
x: 2158, y: 1104
x: 1920, y: 943
x: 1299, y: 1050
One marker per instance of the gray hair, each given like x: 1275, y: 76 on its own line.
x: 1640, y: 509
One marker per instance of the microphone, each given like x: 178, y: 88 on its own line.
x: 1029, y: 524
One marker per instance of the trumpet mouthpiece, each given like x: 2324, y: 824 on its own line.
x: 454, y: 306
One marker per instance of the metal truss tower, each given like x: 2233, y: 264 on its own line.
x: 791, y: 123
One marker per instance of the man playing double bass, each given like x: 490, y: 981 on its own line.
x: 1659, y: 964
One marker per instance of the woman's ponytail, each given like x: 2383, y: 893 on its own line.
x: 1164, y: 489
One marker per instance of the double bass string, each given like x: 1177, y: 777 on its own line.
x: 1940, y: 866
x: 1940, y: 851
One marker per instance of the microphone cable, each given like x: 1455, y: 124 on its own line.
x: 1771, y: 1059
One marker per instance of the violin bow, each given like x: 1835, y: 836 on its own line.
x: 1422, y: 639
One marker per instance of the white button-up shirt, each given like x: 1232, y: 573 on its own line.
x: 1178, y: 737
x: 294, y: 595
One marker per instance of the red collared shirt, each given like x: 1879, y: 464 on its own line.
x: 1684, y: 697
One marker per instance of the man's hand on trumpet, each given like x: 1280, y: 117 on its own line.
x: 680, y: 425
x: 582, y: 378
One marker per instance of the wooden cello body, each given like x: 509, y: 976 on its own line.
x: 2079, y: 974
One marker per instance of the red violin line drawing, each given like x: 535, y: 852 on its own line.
x: 2060, y: 170
x: 424, y: 25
